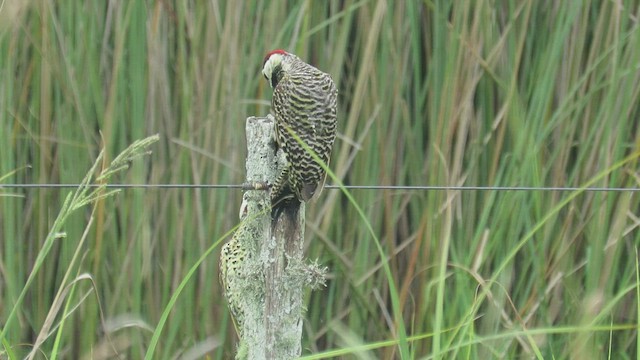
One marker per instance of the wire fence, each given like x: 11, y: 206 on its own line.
x: 329, y: 187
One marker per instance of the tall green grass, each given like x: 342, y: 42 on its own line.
x: 535, y: 93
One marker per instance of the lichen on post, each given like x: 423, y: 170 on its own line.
x: 265, y: 289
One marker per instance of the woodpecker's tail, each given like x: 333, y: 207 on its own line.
x: 286, y: 203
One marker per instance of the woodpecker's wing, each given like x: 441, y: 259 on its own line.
x: 305, y: 103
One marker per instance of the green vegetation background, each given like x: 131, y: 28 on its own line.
x: 475, y: 93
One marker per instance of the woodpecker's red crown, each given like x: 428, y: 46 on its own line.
x: 276, y: 63
x: 277, y: 51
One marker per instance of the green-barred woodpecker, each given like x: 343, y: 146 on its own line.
x: 232, y: 271
x: 304, y: 103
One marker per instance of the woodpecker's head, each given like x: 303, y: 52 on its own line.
x: 275, y: 65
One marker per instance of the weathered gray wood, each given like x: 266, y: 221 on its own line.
x: 256, y: 223
x: 284, y: 279
x: 276, y: 273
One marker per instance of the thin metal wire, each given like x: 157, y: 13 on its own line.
x: 330, y: 187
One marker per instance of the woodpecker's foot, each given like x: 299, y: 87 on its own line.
x: 257, y: 185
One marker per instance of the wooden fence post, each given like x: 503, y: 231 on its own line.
x: 271, y: 278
